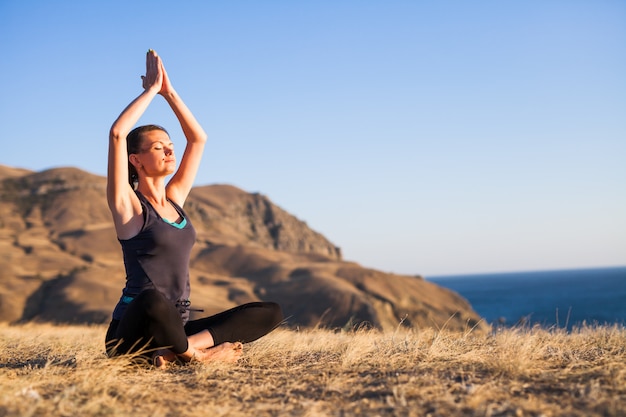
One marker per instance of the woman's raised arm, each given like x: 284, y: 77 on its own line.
x: 180, y: 184
x: 123, y: 202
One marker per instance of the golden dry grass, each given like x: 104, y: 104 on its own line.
x: 61, y: 370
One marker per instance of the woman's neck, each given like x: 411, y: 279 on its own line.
x: 154, y: 190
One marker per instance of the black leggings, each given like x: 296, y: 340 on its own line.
x: 151, y: 321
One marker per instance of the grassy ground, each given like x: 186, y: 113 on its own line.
x: 53, y: 370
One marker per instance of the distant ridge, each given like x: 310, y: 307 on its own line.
x: 9, y: 172
x: 61, y: 261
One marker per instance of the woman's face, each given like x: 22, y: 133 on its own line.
x: 156, y: 157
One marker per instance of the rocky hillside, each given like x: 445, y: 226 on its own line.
x: 60, y: 260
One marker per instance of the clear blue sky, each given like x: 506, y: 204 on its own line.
x: 422, y: 137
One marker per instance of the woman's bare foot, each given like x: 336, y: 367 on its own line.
x: 162, y: 357
x: 226, y: 352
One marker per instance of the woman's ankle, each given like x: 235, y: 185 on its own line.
x: 190, y: 354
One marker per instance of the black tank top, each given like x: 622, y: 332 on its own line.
x: 158, y: 258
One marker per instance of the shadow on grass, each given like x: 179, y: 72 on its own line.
x: 40, y: 362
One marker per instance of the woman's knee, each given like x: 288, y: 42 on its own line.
x: 275, y: 313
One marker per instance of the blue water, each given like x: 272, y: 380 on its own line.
x: 563, y: 298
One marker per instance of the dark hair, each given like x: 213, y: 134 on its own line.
x: 133, y: 145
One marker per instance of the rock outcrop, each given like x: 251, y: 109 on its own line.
x: 60, y: 260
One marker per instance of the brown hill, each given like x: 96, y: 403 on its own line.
x: 61, y: 262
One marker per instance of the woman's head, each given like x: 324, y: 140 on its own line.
x: 135, y: 145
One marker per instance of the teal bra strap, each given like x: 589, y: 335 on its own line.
x: 180, y: 225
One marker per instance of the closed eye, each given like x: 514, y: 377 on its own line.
x: 159, y: 147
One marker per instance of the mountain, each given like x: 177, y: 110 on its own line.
x: 61, y: 262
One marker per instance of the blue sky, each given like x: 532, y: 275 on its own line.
x: 422, y: 137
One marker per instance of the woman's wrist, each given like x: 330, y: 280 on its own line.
x: 169, y: 95
x: 152, y: 90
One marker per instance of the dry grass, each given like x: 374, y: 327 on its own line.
x: 47, y: 370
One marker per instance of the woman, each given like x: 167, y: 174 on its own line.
x: 157, y: 236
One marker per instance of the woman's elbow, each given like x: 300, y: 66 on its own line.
x: 115, y: 134
x: 201, y: 138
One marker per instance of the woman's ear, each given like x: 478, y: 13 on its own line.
x: 133, y: 159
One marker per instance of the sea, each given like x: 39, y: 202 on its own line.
x: 553, y: 299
